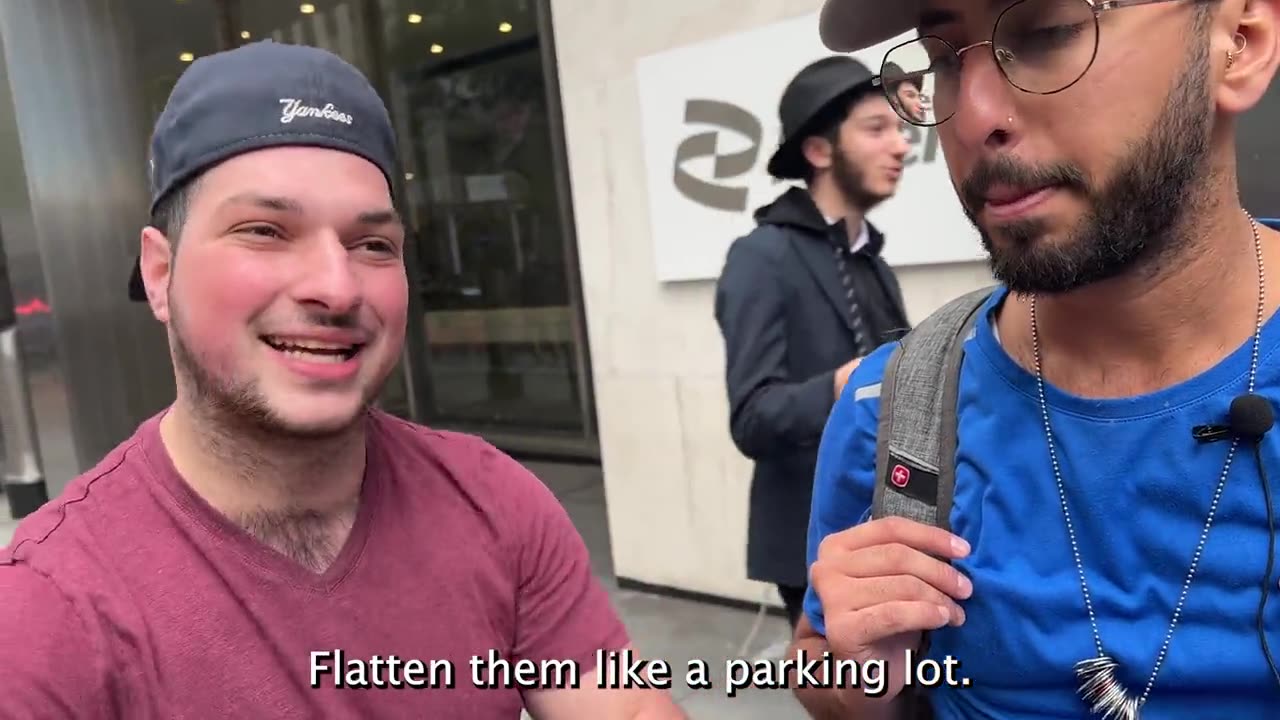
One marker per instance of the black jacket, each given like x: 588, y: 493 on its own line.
x: 784, y: 317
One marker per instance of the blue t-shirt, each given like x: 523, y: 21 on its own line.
x: 1139, y: 489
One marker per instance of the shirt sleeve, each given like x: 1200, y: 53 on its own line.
x: 844, y: 480
x: 49, y: 655
x: 562, y: 610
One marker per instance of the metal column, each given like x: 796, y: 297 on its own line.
x: 82, y: 124
x: 23, y: 477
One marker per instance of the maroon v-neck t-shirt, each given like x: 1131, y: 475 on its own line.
x: 130, y: 597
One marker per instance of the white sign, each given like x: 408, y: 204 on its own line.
x: 709, y: 115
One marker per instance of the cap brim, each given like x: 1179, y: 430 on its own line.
x: 853, y: 25
x: 787, y: 163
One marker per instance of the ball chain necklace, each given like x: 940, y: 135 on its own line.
x: 1099, y: 687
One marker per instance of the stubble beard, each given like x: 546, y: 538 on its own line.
x: 233, y: 408
x: 238, y: 424
x: 1137, y: 222
x: 850, y: 180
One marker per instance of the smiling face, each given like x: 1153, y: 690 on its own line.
x: 286, y: 299
x: 1086, y: 184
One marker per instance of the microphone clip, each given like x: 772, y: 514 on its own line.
x: 1211, y: 433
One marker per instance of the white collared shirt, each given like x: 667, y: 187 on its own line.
x: 864, y: 234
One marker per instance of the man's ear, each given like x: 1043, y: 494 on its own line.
x: 156, y: 263
x: 1246, y: 51
x: 817, y: 151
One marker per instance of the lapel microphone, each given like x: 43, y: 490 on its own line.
x: 1250, y: 417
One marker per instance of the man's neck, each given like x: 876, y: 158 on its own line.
x: 833, y: 205
x: 297, y: 496
x: 1138, y: 334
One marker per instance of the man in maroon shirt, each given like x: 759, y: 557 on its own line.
x: 270, y: 546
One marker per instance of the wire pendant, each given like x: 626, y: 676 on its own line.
x: 1102, y: 691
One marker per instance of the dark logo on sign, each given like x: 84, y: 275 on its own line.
x: 726, y: 116
x: 915, y: 135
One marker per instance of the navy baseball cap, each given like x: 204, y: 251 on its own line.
x: 261, y: 95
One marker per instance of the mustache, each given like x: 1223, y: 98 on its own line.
x: 316, y: 318
x: 344, y: 321
x: 1004, y: 170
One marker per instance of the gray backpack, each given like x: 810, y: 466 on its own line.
x: 916, y: 438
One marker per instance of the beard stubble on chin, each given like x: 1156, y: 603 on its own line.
x: 309, y: 537
x: 241, y: 405
x: 1136, y: 219
x: 851, y: 182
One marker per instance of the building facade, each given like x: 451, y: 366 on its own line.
x: 573, y: 171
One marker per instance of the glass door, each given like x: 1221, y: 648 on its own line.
x: 502, y: 353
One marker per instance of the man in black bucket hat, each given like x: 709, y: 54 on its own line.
x: 907, y: 94
x: 805, y: 295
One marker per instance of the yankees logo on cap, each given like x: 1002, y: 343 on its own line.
x: 261, y: 95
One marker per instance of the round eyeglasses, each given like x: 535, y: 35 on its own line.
x: 1041, y: 47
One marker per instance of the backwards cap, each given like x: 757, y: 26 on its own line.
x: 263, y: 95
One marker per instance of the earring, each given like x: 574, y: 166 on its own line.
x: 1240, y: 45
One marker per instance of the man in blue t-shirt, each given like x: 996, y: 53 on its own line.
x: 1092, y: 536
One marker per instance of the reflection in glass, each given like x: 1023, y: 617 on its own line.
x: 468, y: 94
x: 168, y: 37
x: 335, y: 25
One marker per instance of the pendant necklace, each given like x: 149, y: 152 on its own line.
x: 1099, y: 687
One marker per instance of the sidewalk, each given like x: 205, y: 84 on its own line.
x: 673, y: 630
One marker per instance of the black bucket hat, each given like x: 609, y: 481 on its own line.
x: 891, y: 70
x: 812, y: 91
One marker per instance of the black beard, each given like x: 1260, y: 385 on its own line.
x: 1137, y: 219
x: 851, y: 182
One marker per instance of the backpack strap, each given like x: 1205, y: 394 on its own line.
x: 916, y: 438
